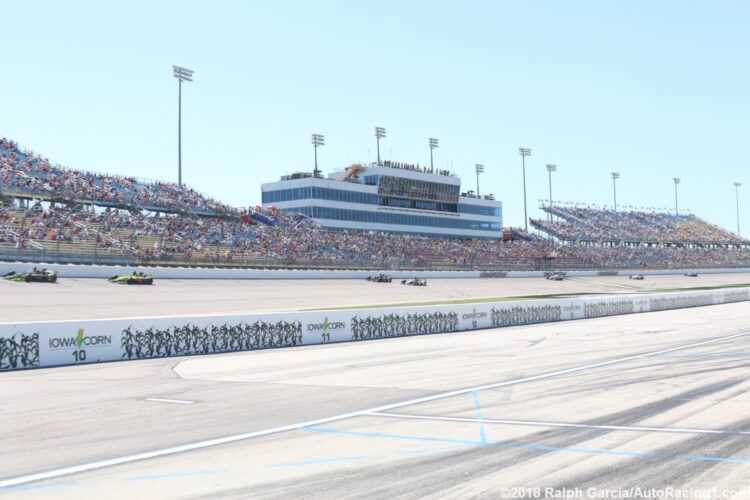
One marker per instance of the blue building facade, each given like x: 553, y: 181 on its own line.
x: 384, y: 198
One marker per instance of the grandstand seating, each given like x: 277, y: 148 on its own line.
x: 589, y: 225
x: 78, y: 215
x: 26, y: 174
x: 181, y: 238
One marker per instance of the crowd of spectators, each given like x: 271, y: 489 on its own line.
x: 158, y: 235
x: 7, y: 234
x: 27, y: 172
x: 586, y: 224
x: 38, y: 226
x: 164, y: 221
x: 299, y: 240
x: 415, y: 168
x: 308, y: 242
x: 56, y: 223
x: 656, y: 257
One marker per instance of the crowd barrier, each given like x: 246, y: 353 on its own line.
x: 104, y: 271
x: 57, y: 343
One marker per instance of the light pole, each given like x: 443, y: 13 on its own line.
x: 379, y: 134
x: 676, y: 206
x: 317, y: 140
x: 737, y: 198
x: 615, y: 176
x: 433, y: 145
x: 479, y: 169
x: 550, y: 169
x: 524, y: 152
x: 182, y: 75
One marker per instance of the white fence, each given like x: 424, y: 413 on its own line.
x: 56, y: 343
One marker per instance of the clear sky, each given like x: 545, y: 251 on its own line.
x: 652, y: 89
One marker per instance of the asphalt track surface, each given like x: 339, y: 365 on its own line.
x: 655, y: 400
x: 96, y: 298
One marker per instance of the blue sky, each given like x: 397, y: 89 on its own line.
x: 652, y: 89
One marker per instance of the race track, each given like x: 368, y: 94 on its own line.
x: 96, y: 298
x: 652, y: 400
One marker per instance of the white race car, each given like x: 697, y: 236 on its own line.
x: 415, y: 282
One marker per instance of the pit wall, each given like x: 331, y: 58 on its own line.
x: 57, y: 343
x: 98, y: 271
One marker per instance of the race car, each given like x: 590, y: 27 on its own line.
x: 415, y: 282
x: 135, y: 278
x: 380, y: 278
x: 556, y: 277
x: 35, y: 275
x: 636, y: 276
x: 691, y: 274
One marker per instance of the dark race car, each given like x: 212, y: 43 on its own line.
x: 35, y: 275
x: 134, y: 278
x: 415, y: 282
x: 380, y: 278
x: 691, y: 274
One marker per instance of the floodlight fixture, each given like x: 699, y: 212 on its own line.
x: 317, y: 141
x: 615, y: 176
x: 479, y: 169
x: 379, y: 134
x: 524, y: 152
x: 737, y: 200
x: 182, y: 75
x: 550, y: 169
x: 433, y: 145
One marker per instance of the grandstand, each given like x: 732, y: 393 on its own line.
x: 586, y: 225
x: 49, y: 213
x: 25, y: 174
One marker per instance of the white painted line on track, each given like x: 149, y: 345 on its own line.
x: 396, y: 360
x: 77, y: 469
x: 537, y: 423
x: 165, y: 400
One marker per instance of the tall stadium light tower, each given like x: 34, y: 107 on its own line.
x: 676, y: 206
x: 550, y: 169
x: 615, y: 176
x: 524, y: 152
x: 182, y: 75
x: 433, y: 145
x: 317, y: 140
x: 479, y: 169
x: 737, y: 198
x: 379, y: 134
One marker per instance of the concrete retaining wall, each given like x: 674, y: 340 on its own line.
x: 100, y: 271
x: 56, y: 343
